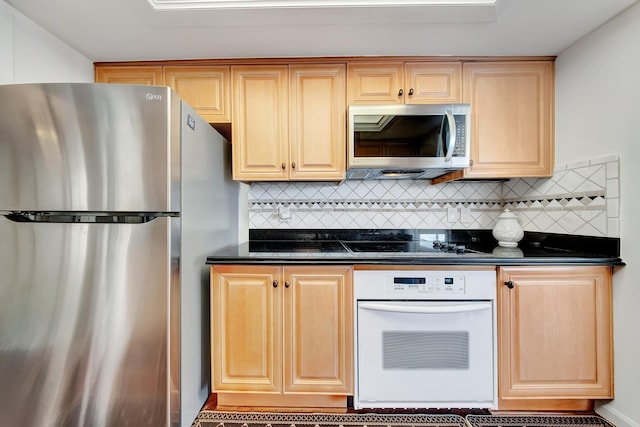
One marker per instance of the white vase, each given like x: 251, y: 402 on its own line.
x: 507, y: 230
x: 502, y: 252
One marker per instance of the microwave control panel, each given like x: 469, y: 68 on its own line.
x: 460, y: 150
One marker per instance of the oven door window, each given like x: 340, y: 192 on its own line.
x: 435, y: 353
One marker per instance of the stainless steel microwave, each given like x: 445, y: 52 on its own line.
x: 407, y: 141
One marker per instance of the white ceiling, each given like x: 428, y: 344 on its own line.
x: 120, y: 30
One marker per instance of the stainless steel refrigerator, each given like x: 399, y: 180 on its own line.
x: 111, y: 197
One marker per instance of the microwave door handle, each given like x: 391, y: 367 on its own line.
x: 452, y: 135
x: 443, y: 308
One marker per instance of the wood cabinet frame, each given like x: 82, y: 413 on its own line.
x: 512, y: 118
x: 206, y: 89
x: 282, y: 336
x: 130, y: 74
x: 289, y: 122
x: 554, y: 336
x: 398, y: 82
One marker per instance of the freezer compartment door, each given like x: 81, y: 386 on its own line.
x: 86, y: 335
x: 89, y: 147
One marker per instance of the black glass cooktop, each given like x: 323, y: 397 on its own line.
x: 412, y: 247
x: 424, y: 243
x: 318, y: 246
x: 356, y: 247
x: 409, y: 246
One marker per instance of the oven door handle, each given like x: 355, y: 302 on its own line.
x: 421, y: 309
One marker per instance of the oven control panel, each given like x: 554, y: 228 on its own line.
x: 444, y: 284
x: 417, y: 285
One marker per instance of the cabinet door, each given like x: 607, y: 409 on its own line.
x: 375, y: 83
x: 139, y: 75
x: 512, y: 132
x: 260, y: 128
x: 433, y: 82
x: 554, y: 333
x: 318, y: 336
x: 206, y: 89
x: 246, y: 342
x: 317, y: 122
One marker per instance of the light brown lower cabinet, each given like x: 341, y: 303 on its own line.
x: 282, y: 336
x: 554, y: 337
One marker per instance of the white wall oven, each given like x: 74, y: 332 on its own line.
x: 425, y: 339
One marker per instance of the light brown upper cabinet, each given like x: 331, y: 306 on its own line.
x: 139, y: 75
x: 289, y: 122
x: 260, y: 126
x: 404, y: 82
x: 287, y: 119
x: 512, y: 118
x: 554, y: 336
x: 206, y: 89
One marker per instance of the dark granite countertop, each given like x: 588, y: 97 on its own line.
x: 415, y: 247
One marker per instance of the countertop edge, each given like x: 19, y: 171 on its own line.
x: 415, y: 261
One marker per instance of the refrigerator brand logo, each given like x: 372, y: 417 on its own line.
x: 154, y: 97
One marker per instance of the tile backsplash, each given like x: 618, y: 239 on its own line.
x: 580, y: 198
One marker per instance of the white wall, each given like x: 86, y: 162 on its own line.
x: 29, y: 54
x: 6, y: 43
x: 597, y: 113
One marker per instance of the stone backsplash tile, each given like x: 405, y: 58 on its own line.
x: 581, y: 198
x: 374, y: 204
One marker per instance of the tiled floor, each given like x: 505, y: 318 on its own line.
x: 210, y: 417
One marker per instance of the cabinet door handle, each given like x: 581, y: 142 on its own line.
x: 509, y: 284
x: 275, y: 283
x: 284, y: 166
x: 287, y: 284
x: 400, y: 92
x: 293, y: 165
x: 410, y: 91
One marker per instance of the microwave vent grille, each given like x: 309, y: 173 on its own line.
x: 369, y: 173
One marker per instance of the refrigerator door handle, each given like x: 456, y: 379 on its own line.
x: 85, y: 217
